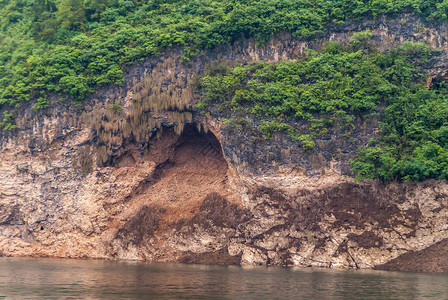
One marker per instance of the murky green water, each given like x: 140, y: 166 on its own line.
x: 24, y: 278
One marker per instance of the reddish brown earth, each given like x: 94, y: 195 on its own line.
x: 194, y: 168
x: 431, y: 259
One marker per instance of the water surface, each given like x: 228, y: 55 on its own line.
x: 78, y: 279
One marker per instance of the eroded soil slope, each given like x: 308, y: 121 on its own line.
x: 431, y: 259
x: 191, y: 172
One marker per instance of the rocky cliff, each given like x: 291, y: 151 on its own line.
x: 185, y: 188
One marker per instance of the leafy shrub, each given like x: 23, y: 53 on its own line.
x: 41, y: 103
x: 74, y: 46
x: 335, y: 87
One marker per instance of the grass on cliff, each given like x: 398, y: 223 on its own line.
x: 333, y: 89
x: 73, y: 47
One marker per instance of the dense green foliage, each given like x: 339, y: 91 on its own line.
x: 75, y: 46
x: 331, y: 90
x: 72, y: 47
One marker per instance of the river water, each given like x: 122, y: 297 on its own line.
x: 27, y: 278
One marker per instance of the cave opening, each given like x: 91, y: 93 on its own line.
x: 199, y: 150
x: 188, y: 167
x: 189, y: 183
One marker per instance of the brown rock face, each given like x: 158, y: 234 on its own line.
x: 179, y: 200
x: 203, y: 195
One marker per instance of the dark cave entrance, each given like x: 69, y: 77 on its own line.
x: 199, y: 149
x: 193, y: 147
x: 187, y: 169
x: 189, y: 184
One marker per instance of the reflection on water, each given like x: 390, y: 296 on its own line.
x: 75, y: 279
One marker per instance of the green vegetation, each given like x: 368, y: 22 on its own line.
x: 75, y: 46
x: 333, y: 89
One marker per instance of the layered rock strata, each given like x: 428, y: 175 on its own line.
x: 189, y: 190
